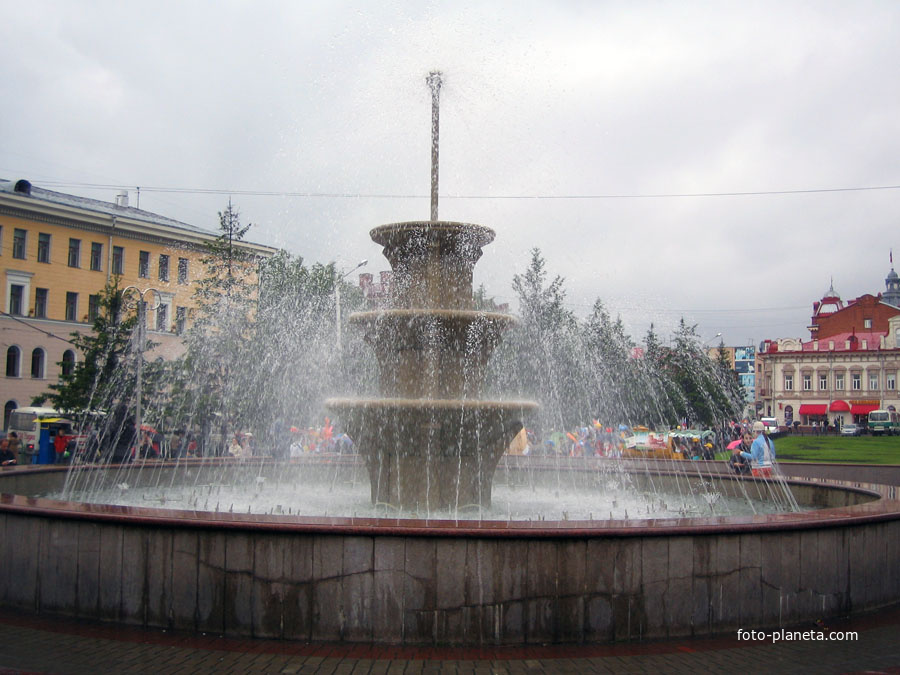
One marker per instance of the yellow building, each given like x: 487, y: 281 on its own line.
x: 58, y: 251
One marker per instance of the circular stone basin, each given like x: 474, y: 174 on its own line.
x: 393, y: 233
x: 420, y: 581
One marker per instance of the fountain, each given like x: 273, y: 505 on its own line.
x: 431, y: 448
x: 431, y: 443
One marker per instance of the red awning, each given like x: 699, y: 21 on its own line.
x: 839, y: 406
x: 813, y: 408
x: 863, y: 408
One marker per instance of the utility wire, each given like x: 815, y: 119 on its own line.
x: 364, y: 195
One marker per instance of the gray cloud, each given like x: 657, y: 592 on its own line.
x: 541, y: 99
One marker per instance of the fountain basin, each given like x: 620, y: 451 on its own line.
x: 445, y: 582
x: 431, y: 453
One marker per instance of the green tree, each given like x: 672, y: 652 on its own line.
x: 538, y: 358
x: 609, y: 368
x: 660, y: 391
x: 100, y: 377
x: 295, y: 332
x: 211, y: 386
x: 703, y: 395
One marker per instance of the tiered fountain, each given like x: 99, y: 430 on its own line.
x: 430, y: 443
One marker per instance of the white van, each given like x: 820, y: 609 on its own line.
x: 24, y: 421
x: 770, y: 423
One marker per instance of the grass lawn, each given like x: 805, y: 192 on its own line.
x: 850, y: 449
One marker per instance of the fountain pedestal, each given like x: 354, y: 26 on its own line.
x: 430, y: 442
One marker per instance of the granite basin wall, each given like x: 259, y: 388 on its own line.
x: 445, y: 583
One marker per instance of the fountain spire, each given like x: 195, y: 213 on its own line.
x: 434, y: 81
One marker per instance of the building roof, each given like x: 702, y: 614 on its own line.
x: 21, y: 195
x: 871, y: 338
x: 26, y: 189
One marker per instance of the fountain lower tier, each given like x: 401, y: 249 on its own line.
x: 430, y: 454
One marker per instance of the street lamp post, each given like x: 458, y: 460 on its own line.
x: 337, y: 301
x: 717, y: 335
x: 139, y: 302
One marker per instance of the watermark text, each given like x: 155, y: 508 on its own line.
x: 785, y: 635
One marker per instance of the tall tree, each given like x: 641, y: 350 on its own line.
x: 99, y: 378
x: 212, y: 388
x: 538, y: 357
x: 609, y: 368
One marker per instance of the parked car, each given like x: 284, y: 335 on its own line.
x: 851, y: 430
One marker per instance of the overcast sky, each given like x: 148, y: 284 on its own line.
x: 563, y: 124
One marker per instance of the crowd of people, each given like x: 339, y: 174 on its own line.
x: 752, y: 450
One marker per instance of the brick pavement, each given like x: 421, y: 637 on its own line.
x: 33, y: 644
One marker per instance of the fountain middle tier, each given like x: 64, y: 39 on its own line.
x: 430, y: 454
x: 432, y: 353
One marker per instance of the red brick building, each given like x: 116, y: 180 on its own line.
x: 848, y: 368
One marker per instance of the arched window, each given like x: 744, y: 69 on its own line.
x: 7, y: 411
x: 12, y: 361
x: 37, y: 363
x: 68, y: 362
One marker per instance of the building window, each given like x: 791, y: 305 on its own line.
x: 890, y: 381
x: 96, y: 256
x: 839, y: 381
x: 162, y: 318
x: 867, y: 323
x: 180, y: 319
x: 7, y: 411
x: 68, y: 362
x: 40, y: 303
x: 37, y: 364
x: 823, y: 382
x: 873, y: 381
x: 807, y: 382
x: 144, y: 265
x: 19, y: 244
x: 16, y: 293
x: 855, y: 381
x: 163, y: 267
x: 93, y: 307
x: 43, y: 248
x: 74, y: 252
x: 788, y: 382
x: 118, y: 261
x: 71, y: 306
x: 12, y: 361
x: 182, y: 270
